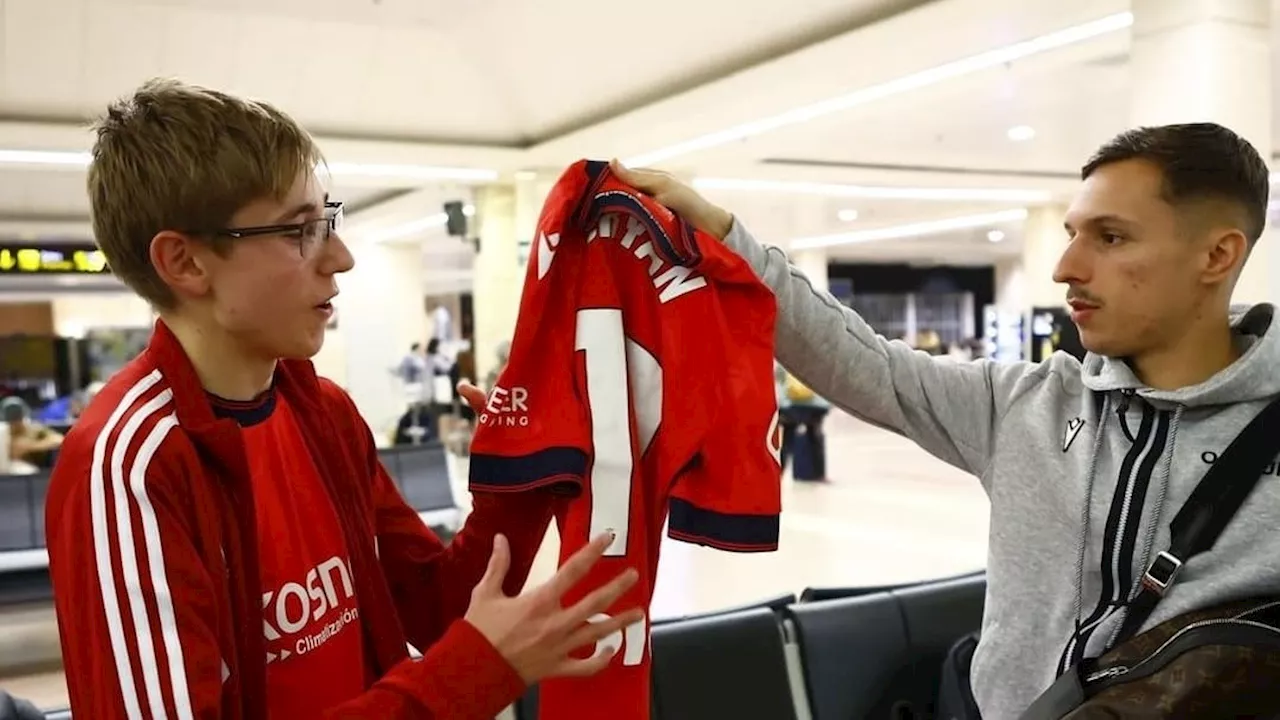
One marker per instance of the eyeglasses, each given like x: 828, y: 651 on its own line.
x: 310, y: 235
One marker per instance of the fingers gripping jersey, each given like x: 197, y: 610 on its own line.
x: 640, y: 379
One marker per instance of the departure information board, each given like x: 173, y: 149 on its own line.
x: 80, y: 259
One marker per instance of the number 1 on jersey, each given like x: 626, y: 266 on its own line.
x: 600, y: 336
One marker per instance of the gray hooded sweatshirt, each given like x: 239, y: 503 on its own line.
x: 1084, y: 467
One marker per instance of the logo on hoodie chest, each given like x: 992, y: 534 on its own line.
x: 1074, y: 425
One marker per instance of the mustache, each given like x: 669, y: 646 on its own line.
x: 1083, y: 296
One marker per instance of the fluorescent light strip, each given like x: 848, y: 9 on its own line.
x: 411, y: 172
x: 44, y: 157
x: 920, y: 229
x: 396, y: 232
x: 404, y: 172
x: 429, y: 222
x: 884, y: 193
x: 915, y: 81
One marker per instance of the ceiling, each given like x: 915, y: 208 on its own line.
x: 492, y: 87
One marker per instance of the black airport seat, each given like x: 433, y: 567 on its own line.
x: 421, y: 472
x: 818, y: 594
x: 727, y: 665
x: 21, y: 518
x: 424, y: 477
x: 527, y: 706
x: 880, y: 654
x: 777, y: 604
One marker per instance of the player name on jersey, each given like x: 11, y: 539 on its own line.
x: 671, y: 281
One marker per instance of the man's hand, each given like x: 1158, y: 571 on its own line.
x: 532, y: 631
x: 678, y: 197
x: 473, y: 395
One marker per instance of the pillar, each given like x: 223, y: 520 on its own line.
x: 497, y: 277
x: 380, y: 314
x: 507, y: 217
x: 1209, y: 60
x: 1043, y: 240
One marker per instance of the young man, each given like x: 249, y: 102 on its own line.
x: 223, y: 541
x: 1085, y: 463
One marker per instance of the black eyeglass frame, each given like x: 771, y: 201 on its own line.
x: 331, y: 220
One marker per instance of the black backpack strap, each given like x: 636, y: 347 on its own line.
x: 1207, y: 511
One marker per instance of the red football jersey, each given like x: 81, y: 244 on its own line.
x: 640, y: 379
x: 310, y: 619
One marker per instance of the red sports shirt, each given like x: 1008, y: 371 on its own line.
x: 641, y: 377
x: 310, y: 618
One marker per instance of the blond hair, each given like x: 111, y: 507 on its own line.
x: 179, y: 157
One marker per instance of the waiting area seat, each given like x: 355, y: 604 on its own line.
x: 880, y: 654
x: 730, y: 665
x: 683, y: 683
x: 22, y: 510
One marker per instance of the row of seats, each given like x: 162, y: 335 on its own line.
x: 832, y: 654
x: 421, y: 472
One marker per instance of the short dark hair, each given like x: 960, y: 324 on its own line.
x: 1199, y: 161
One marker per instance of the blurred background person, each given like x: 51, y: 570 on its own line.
x: 802, y: 438
x: 29, y: 442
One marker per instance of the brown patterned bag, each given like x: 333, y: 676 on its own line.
x: 1220, y: 662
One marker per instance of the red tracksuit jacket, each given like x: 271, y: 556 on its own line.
x: 192, y: 543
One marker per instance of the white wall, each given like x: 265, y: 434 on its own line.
x: 331, y: 361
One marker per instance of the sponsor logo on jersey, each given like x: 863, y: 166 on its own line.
x: 290, y: 615
x: 507, y: 407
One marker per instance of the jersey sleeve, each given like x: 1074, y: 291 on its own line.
x: 533, y: 431
x: 730, y: 496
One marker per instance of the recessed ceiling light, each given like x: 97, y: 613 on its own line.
x: 847, y: 215
x: 995, y: 236
x: 1018, y: 133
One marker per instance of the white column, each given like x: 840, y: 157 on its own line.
x: 1043, y: 240
x: 1209, y: 60
x: 813, y: 263
x: 381, y: 312
x: 507, y: 216
x: 498, y: 274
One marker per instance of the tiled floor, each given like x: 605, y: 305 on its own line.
x: 890, y: 514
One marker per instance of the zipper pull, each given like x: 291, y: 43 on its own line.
x: 1106, y: 674
x: 1125, y: 397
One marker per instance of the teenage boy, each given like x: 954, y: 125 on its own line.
x: 223, y: 541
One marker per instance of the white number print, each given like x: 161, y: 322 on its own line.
x: 611, y: 393
x: 633, y: 643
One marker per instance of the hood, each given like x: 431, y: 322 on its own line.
x: 1254, y: 376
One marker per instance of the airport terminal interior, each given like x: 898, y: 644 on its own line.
x: 914, y: 159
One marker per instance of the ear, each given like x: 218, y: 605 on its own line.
x: 181, y: 263
x: 1227, y: 251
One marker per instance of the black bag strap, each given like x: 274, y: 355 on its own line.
x: 1207, y: 511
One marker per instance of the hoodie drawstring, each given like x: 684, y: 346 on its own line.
x: 1099, y: 436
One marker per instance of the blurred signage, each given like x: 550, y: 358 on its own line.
x: 52, y: 260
